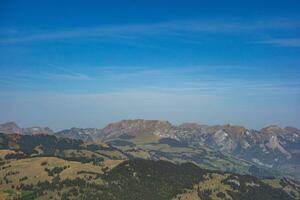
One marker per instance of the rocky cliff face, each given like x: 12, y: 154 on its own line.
x: 270, y: 147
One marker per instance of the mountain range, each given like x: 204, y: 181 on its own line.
x: 271, y: 147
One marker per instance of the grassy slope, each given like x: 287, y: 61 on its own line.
x: 136, y: 179
x: 34, y: 169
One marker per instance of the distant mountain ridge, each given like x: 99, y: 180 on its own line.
x: 12, y: 127
x: 272, y: 146
x: 85, y: 134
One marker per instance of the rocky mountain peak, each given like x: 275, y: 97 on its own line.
x: 136, y: 127
x: 10, y: 127
x: 292, y: 130
x: 276, y: 130
x: 191, y: 126
x: 271, y: 128
x: 234, y: 130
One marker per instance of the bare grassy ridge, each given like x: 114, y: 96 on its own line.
x: 31, y: 171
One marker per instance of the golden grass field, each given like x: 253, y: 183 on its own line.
x: 34, y: 169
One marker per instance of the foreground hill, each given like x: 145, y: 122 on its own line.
x: 26, y: 146
x: 42, y: 177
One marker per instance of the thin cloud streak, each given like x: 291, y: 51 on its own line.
x: 285, y: 42
x: 134, y: 31
x: 62, y: 73
x: 69, y: 77
x: 181, y: 80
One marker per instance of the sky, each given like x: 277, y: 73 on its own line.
x: 88, y: 63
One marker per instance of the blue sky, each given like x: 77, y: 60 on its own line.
x: 87, y: 63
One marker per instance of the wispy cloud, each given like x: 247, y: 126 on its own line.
x: 70, y: 76
x: 285, y: 42
x: 63, y: 73
x: 33, y: 80
x: 9, y: 81
x: 182, y: 28
x: 198, y: 80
